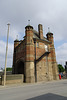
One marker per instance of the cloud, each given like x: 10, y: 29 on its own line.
x: 13, y: 34
x: 61, y: 53
x: 50, y: 13
x: 3, y: 52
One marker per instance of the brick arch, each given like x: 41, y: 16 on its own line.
x: 20, y: 67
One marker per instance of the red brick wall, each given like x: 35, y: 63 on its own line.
x: 20, y: 51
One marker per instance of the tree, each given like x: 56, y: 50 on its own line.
x: 8, y: 69
x: 61, y: 68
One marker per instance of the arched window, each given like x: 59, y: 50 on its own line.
x: 46, y: 47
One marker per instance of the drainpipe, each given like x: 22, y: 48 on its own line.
x: 35, y: 61
x: 47, y: 66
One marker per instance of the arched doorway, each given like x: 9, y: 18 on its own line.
x: 20, y: 67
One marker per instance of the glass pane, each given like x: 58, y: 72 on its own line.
x: 46, y: 48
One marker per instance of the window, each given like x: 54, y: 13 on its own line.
x: 37, y: 44
x: 46, y: 47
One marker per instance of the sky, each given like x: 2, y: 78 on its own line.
x: 49, y: 13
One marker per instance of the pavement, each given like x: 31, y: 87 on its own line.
x: 54, y: 90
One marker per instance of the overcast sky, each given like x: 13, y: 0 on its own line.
x: 49, y: 13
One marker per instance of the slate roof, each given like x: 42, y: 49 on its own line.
x: 36, y: 36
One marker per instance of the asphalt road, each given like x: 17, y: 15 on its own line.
x: 56, y: 90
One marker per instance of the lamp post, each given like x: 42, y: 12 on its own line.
x: 6, y: 55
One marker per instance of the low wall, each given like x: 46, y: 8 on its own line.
x: 12, y: 79
x: 7, y: 73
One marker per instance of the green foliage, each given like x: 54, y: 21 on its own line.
x: 61, y: 68
x: 8, y: 69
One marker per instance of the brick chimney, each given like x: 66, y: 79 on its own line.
x: 40, y: 30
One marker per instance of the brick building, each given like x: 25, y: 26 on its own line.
x: 34, y: 56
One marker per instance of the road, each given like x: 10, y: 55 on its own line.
x: 55, y: 90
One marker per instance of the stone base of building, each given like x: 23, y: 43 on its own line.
x: 30, y: 80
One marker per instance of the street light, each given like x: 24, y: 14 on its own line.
x: 6, y: 55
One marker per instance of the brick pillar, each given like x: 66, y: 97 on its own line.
x: 16, y: 43
x: 29, y: 61
x: 40, y: 30
x: 53, y: 70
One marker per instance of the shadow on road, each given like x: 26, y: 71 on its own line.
x: 49, y: 96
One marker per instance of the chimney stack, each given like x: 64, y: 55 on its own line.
x: 40, y: 30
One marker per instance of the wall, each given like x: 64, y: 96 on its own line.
x: 19, y: 54
x: 42, y: 63
x: 20, y: 51
x: 12, y: 79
